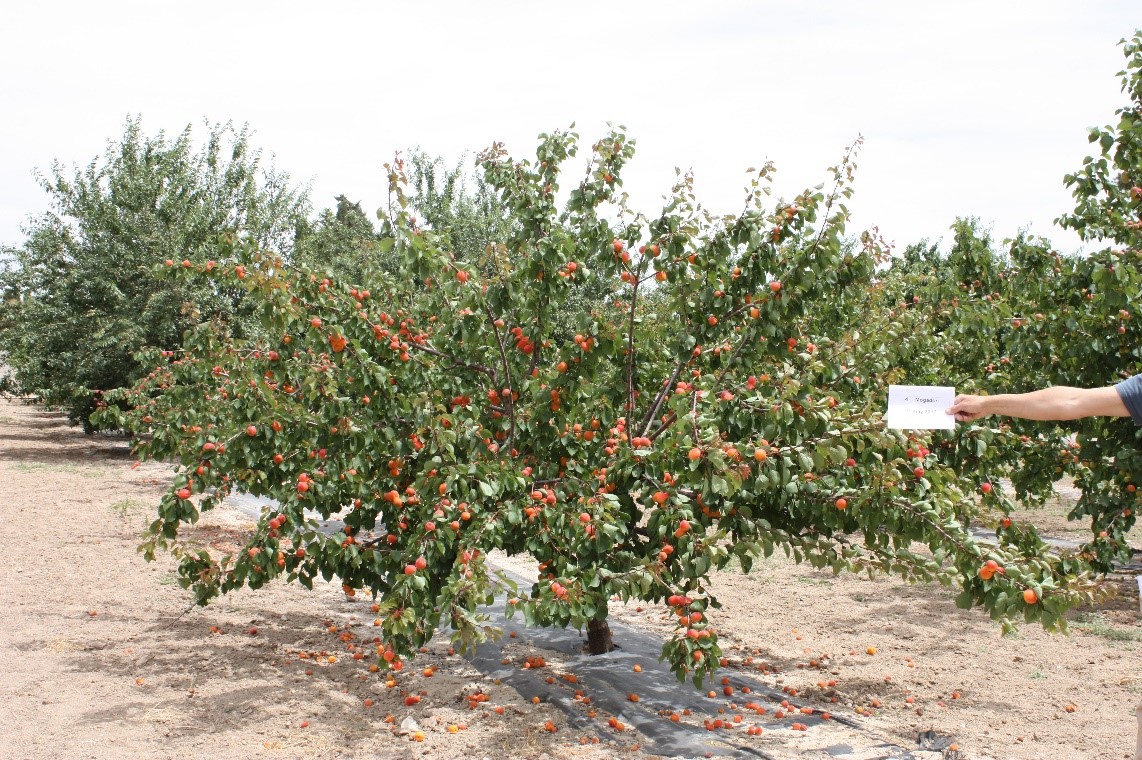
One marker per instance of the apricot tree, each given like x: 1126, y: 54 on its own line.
x: 721, y: 401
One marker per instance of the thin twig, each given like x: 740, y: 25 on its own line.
x: 456, y: 362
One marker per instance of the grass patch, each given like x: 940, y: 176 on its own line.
x: 124, y: 507
x: 4, y: 420
x: 61, y: 469
x: 1096, y: 625
x: 45, y: 467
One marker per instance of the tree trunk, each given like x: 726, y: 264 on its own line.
x: 599, y: 639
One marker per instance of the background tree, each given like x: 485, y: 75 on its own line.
x: 474, y: 222
x: 80, y: 296
x: 952, y: 316
x: 1016, y: 319
x: 460, y: 207
x: 343, y: 241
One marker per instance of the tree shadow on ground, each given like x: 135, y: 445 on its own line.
x: 236, y: 672
x: 934, y: 609
x: 23, y: 445
x: 92, y: 454
x: 197, y: 683
x: 37, y: 417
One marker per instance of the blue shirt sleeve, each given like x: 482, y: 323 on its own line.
x: 1130, y: 391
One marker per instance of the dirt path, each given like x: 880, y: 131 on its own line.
x: 104, y: 659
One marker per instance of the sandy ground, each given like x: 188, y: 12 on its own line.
x: 104, y: 657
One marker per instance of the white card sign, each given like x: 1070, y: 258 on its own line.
x: 920, y: 407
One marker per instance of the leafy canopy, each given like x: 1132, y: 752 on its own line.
x: 79, y: 295
x: 720, y: 401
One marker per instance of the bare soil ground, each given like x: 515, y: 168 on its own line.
x: 105, y: 658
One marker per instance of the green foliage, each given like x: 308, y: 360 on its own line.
x: 474, y: 223
x: 342, y: 241
x: 79, y: 296
x: 465, y: 211
x: 1107, y: 187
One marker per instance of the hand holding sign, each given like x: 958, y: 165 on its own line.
x: 920, y: 407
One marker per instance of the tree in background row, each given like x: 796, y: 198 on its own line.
x: 473, y: 222
x: 79, y: 296
x: 342, y: 240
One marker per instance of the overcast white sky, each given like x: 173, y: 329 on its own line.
x: 967, y: 108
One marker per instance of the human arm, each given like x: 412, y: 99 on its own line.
x: 1055, y: 403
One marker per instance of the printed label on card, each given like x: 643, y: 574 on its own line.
x: 920, y: 407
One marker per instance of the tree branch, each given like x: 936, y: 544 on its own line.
x: 456, y: 362
x: 630, y: 353
x: 508, y: 402
x: 644, y: 427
